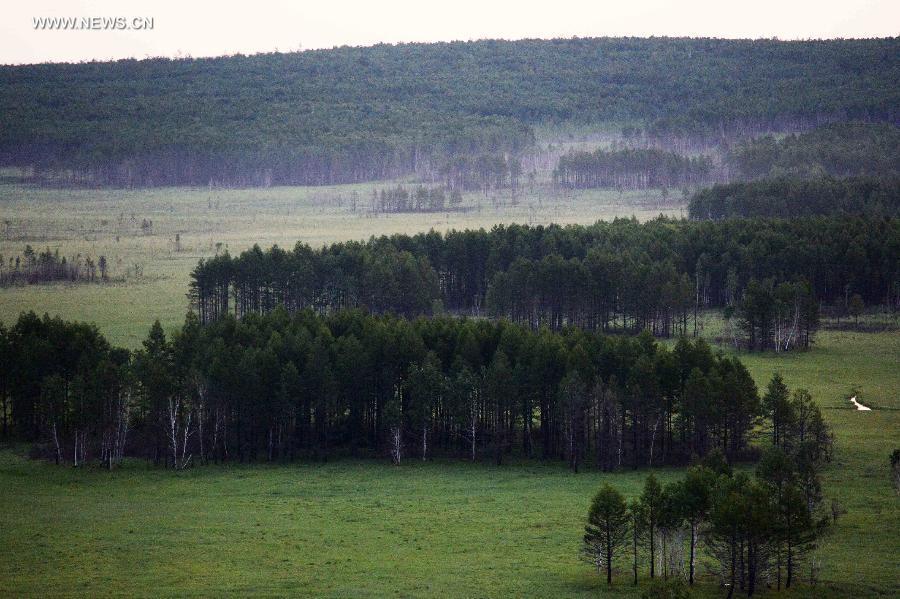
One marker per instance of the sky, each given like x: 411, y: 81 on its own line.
x: 206, y: 28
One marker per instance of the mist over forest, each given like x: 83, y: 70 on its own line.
x: 357, y: 114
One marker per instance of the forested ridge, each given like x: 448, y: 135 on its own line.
x: 280, y: 387
x: 354, y: 114
x: 610, y: 275
x: 843, y: 149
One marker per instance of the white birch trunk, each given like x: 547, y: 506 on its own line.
x: 424, y: 441
x: 396, y: 445
x: 653, y: 438
x: 56, y: 443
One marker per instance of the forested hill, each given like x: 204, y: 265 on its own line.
x: 351, y: 114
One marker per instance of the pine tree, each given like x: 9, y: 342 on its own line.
x: 606, y: 530
x: 652, y: 505
x: 777, y: 406
x: 695, y: 501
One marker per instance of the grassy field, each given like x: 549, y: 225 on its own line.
x: 345, y: 529
x: 351, y: 528
x: 108, y: 222
x: 862, y: 553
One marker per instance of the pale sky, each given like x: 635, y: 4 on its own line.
x: 206, y: 28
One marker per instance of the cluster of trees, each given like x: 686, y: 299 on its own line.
x: 631, y: 169
x: 596, y: 292
x: 775, y: 317
x: 279, y: 387
x: 63, y: 384
x: 758, y: 530
x: 895, y: 468
x: 355, y: 114
x: 838, y: 150
x: 32, y: 268
x: 381, y: 278
x: 620, y: 274
x: 485, y: 172
x: 419, y: 199
x: 785, y: 197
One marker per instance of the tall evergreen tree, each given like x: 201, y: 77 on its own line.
x: 606, y: 530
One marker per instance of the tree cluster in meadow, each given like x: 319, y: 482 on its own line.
x: 620, y: 275
x: 631, y: 169
x: 279, y: 387
x: 484, y: 173
x: 361, y: 114
x: 838, y: 150
x: 418, y: 199
x: 32, y: 268
x: 749, y: 532
x: 785, y: 197
x: 771, y: 316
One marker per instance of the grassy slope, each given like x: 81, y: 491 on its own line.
x: 365, y: 528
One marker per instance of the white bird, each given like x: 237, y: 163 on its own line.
x: 859, y: 406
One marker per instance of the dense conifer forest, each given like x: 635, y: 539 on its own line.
x: 839, y: 150
x: 355, y: 114
x: 611, y: 275
x: 786, y: 197
x: 280, y: 387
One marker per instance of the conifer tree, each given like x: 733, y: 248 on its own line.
x: 607, y: 529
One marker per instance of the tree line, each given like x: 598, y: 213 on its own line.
x: 485, y: 172
x: 418, y: 199
x: 837, y: 149
x: 757, y: 531
x: 279, y: 387
x: 620, y: 275
x: 33, y: 267
x: 359, y: 114
x: 631, y: 169
x: 787, y: 197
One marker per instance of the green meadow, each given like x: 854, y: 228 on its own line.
x: 443, y: 528
x: 365, y: 528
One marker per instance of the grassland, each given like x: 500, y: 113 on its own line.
x: 351, y: 528
x: 108, y: 222
x: 861, y: 555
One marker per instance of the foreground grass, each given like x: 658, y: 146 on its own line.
x: 339, y: 529
x: 365, y: 528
